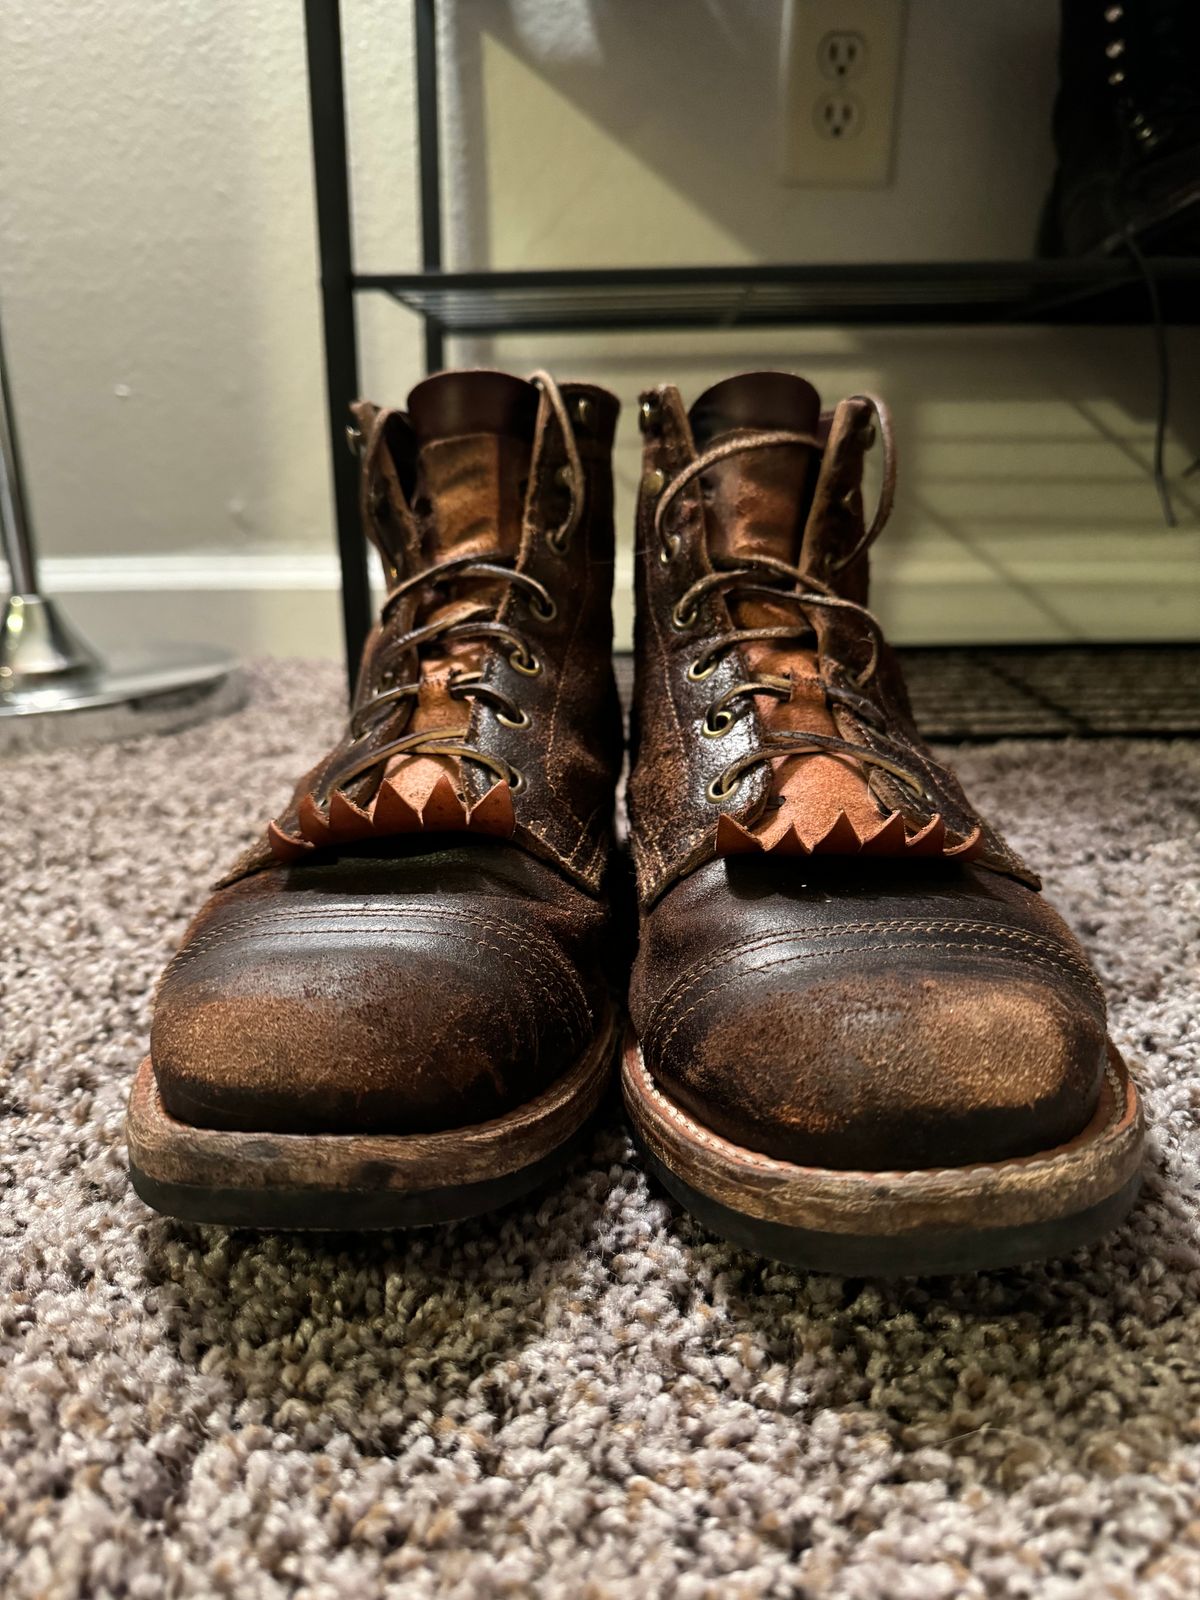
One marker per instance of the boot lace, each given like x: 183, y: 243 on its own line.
x: 393, y: 675
x: 765, y: 577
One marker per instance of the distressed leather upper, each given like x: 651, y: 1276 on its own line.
x: 820, y: 522
x: 836, y: 1008
x: 422, y: 945
x: 874, y: 1016
x: 398, y: 988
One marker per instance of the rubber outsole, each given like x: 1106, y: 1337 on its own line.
x: 933, y: 1254
x: 349, y: 1210
x: 929, y: 1221
x: 351, y: 1182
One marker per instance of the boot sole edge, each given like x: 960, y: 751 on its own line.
x: 359, y: 1182
x: 896, y: 1224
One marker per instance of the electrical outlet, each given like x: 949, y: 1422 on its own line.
x: 842, y: 55
x: 840, y: 73
x: 838, y: 116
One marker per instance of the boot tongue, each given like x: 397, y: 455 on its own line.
x: 759, y: 504
x: 474, y: 434
x: 759, y: 497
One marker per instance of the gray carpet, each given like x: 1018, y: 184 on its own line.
x: 587, y: 1396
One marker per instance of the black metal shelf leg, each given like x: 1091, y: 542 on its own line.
x: 429, y: 141
x: 322, y: 20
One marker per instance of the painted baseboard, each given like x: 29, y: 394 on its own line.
x: 287, y: 602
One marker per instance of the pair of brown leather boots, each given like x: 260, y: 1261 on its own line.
x: 857, y: 1040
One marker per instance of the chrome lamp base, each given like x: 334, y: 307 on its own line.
x: 55, y: 690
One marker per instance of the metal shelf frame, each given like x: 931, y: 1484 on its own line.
x: 1097, y: 292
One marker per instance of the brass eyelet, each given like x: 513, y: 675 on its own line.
x: 667, y: 551
x: 528, y: 665
x: 511, y: 722
x: 583, y: 409
x: 649, y: 412
x: 717, y: 729
x: 543, y: 612
x: 718, y: 792
x: 559, y: 546
x: 516, y: 779
x: 681, y: 620
x: 698, y: 671
x: 354, y: 440
x: 654, y: 481
x: 564, y: 477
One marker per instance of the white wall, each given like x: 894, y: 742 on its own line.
x: 158, y: 271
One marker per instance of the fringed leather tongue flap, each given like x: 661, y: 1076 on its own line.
x: 443, y: 809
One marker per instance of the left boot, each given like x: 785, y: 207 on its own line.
x: 400, y: 1007
x: 862, y: 1041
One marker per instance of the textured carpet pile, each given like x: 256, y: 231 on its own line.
x: 586, y: 1396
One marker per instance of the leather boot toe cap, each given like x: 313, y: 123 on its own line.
x: 403, y: 1020
x: 884, y: 1065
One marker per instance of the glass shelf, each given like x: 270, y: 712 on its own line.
x: 1096, y: 292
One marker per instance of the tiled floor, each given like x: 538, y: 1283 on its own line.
x: 1050, y: 690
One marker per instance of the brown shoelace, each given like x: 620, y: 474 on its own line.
x: 383, y: 692
x: 765, y: 577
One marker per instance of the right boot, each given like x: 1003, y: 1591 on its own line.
x: 861, y: 1041
x: 397, y: 1008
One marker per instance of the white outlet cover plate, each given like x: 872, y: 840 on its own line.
x: 839, y: 88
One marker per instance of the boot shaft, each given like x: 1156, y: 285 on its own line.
x: 486, y: 700
x: 769, y: 712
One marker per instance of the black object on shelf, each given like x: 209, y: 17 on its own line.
x: 1094, y: 291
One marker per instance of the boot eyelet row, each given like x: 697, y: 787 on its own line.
x: 718, y: 791
x: 717, y: 727
x: 649, y: 412
x: 564, y: 478
x: 528, y: 665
